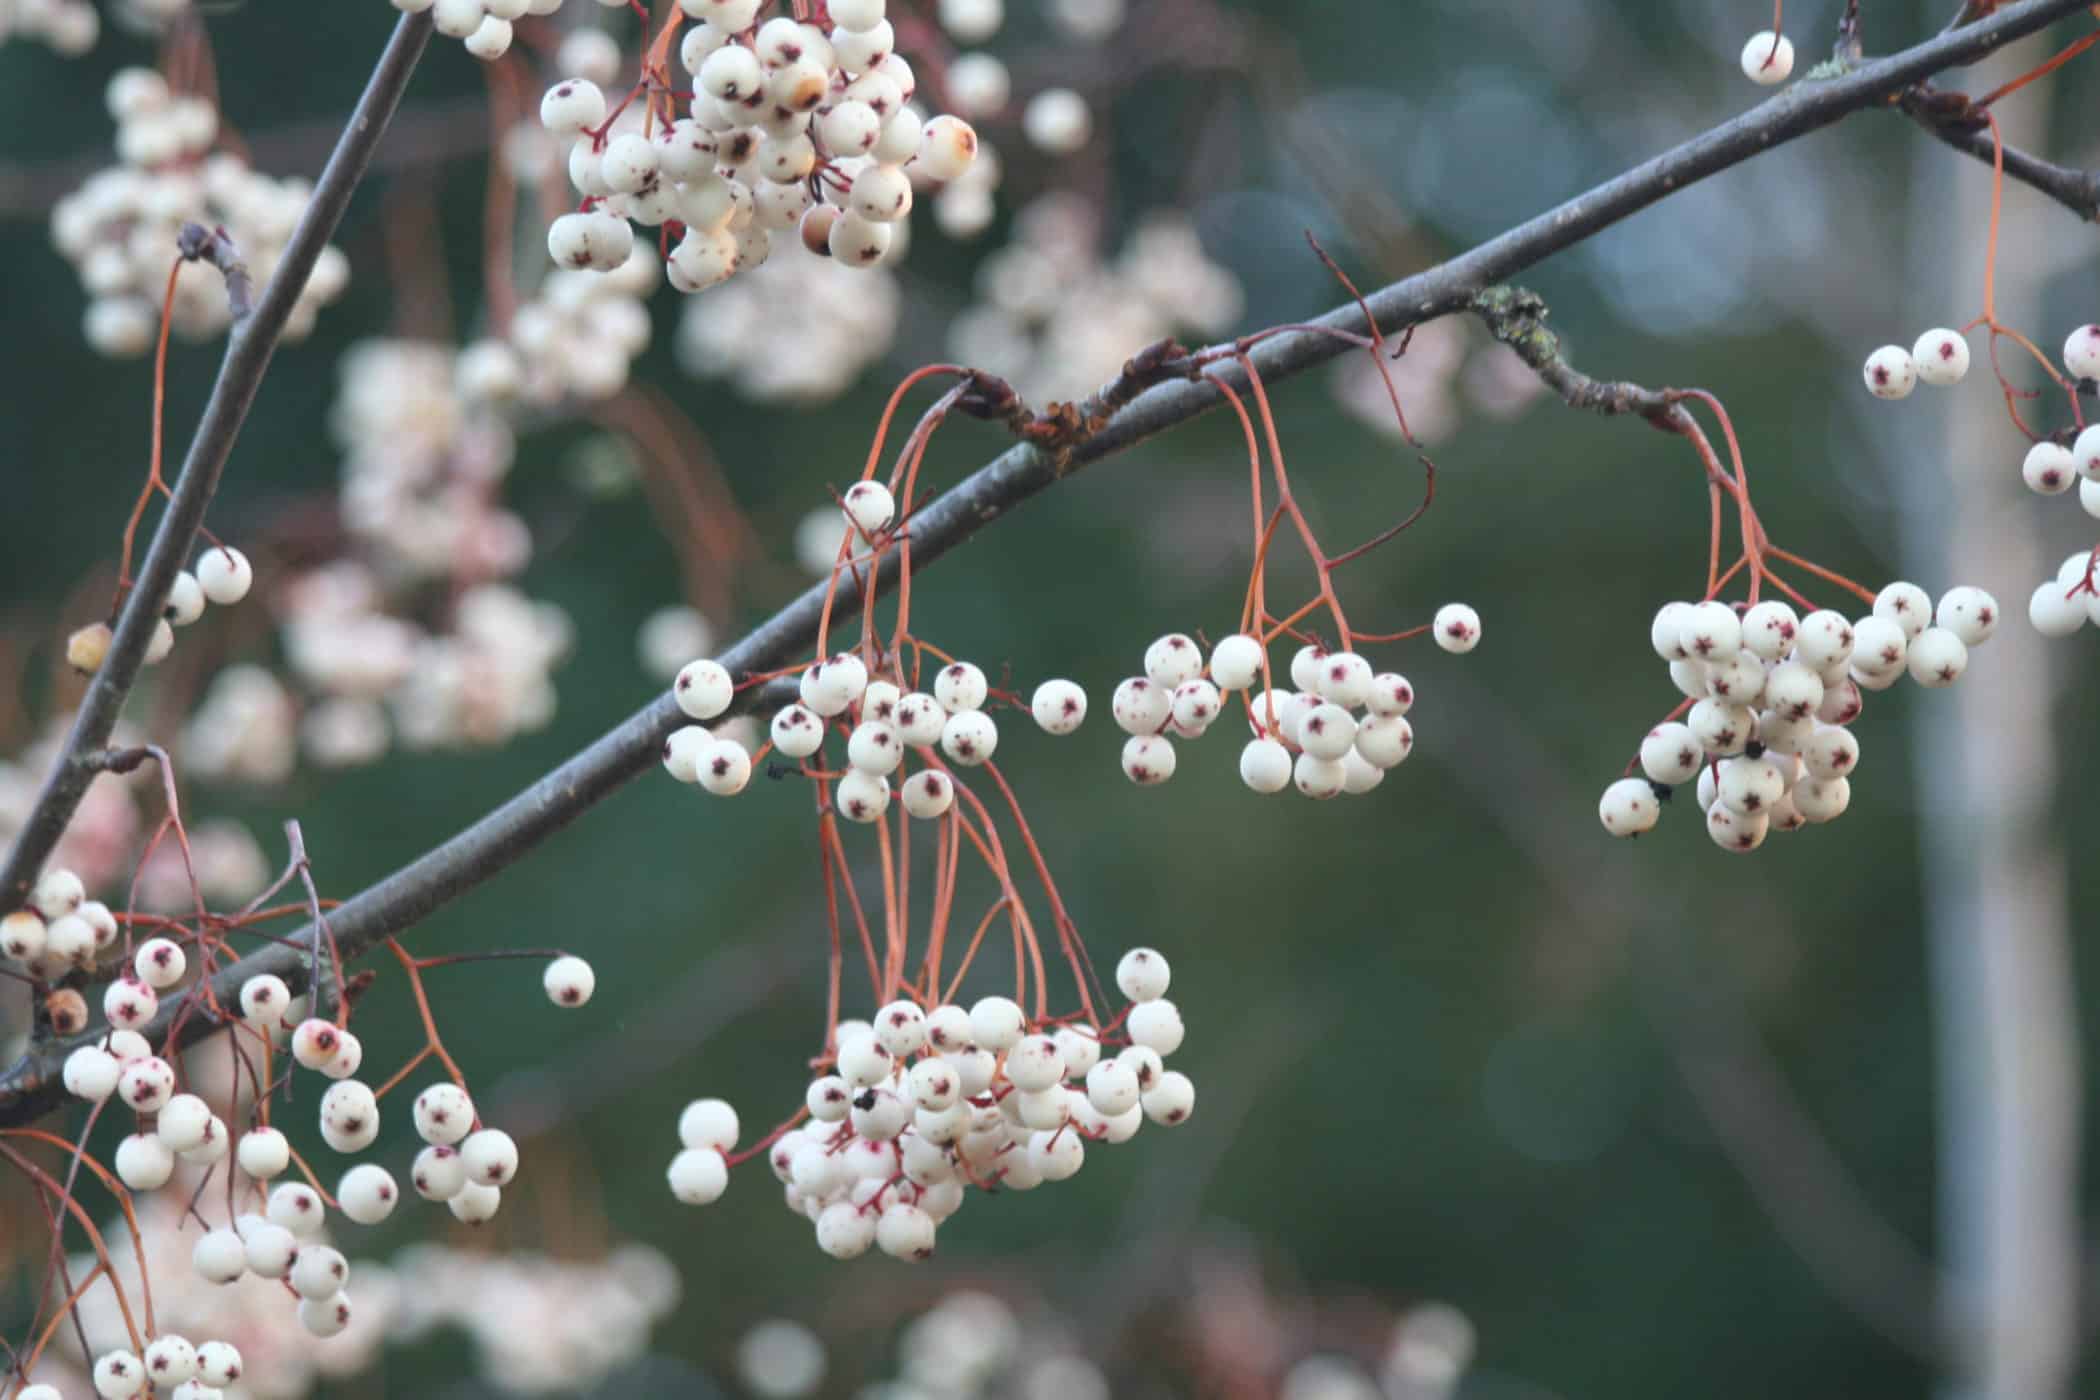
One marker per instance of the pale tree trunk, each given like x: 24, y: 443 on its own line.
x: 1996, y: 923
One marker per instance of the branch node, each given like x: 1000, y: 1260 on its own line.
x: 196, y: 243
x: 1517, y: 317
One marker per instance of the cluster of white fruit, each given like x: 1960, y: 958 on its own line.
x: 1768, y: 59
x: 1771, y: 698
x: 790, y: 128
x: 973, y: 1346
x: 1940, y: 357
x: 540, y: 1324
x: 794, y: 329
x: 61, y: 930
x: 223, y: 576
x: 2060, y: 606
x: 425, y: 458
x: 464, y: 1164
x: 172, y: 1367
x: 1057, y: 316
x: 922, y: 1104
x: 2050, y: 467
x: 482, y: 26
x: 1312, y: 736
x: 70, y: 27
x: 579, y: 333
x: 881, y: 719
x: 119, y: 229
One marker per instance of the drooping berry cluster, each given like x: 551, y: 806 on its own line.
x: 465, y: 1164
x: 119, y: 229
x: 790, y: 127
x: 60, y: 931
x: 920, y: 1106
x: 880, y: 720
x: 483, y: 27
x: 172, y: 1366
x: 2053, y: 463
x: 223, y: 576
x: 1769, y: 700
x: 1313, y: 737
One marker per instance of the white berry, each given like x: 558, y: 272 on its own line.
x: 569, y: 981
x: 1890, y: 373
x: 1457, y: 628
x: 1941, y: 356
x: 224, y: 575
x: 1629, y: 807
x: 1059, y: 706
x: 2049, y: 469
x: 2082, y: 352
x: 1768, y: 59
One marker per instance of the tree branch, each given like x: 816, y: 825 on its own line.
x: 249, y: 346
x: 503, y: 836
x: 1517, y: 318
x: 1945, y: 115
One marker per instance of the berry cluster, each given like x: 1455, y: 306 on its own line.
x: 1940, y: 357
x: 172, y: 1367
x: 2060, y: 606
x: 119, y: 229
x: 577, y: 337
x: 921, y: 1105
x: 880, y: 720
x: 1313, y: 737
x: 790, y: 127
x: 798, y: 330
x: 223, y: 576
x: 414, y: 630
x: 69, y: 27
x: 60, y: 931
x: 244, y: 729
x: 484, y: 27
x: 464, y: 1164
x: 2051, y: 465
x: 1770, y: 698
x: 541, y: 1324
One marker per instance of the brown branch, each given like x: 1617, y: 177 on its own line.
x: 1950, y: 117
x: 1517, y: 318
